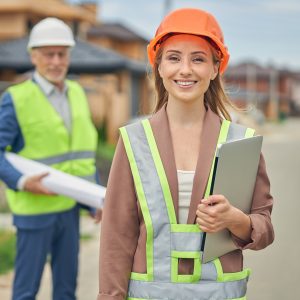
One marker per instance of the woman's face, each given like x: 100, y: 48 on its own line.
x: 187, y: 67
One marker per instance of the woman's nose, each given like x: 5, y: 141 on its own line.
x: 185, y: 68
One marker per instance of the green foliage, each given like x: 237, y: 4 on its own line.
x: 105, y: 151
x: 3, y: 203
x: 7, y: 250
x: 85, y: 237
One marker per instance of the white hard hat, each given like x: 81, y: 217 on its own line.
x: 50, y: 32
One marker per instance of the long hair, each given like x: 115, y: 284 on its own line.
x: 215, y: 97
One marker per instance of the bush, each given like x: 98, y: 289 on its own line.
x: 7, y: 250
x: 3, y: 202
x: 105, y: 154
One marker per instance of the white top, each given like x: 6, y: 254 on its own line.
x: 58, y: 99
x: 185, y: 185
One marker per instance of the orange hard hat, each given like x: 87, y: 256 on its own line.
x: 190, y: 21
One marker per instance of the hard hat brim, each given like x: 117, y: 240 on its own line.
x: 52, y: 43
x: 154, y: 45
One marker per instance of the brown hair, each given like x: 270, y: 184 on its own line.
x: 215, y: 97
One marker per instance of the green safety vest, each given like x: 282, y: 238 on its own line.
x: 167, y: 241
x: 47, y: 140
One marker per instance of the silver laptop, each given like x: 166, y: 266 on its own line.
x: 234, y: 177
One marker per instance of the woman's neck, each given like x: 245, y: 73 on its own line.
x: 185, y: 114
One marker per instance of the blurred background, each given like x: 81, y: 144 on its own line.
x: 110, y: 62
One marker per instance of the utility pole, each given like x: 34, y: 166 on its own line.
x: 274, y: 95
x: 167, y: 6
x: 251, y: 85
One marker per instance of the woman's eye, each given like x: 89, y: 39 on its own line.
x: 173, y: 58
x: 198, y: 59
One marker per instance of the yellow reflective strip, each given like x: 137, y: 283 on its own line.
x: 174, y: 269
x: 249, y: 132
x: 222, y: 277
x: 237, y: 275
x: 142, y: 200
x: 222, y: 138
x: 243, y: 298
x: 219, y: 269
x: 139, y: 276
x: 195, y: 277
x: 185, y: 228
x: 197, y: 270
x: 187, y: 278
x: 160, y: 171
x: 186, y: 254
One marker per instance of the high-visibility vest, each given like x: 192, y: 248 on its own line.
x: 47, y: 140
x: 167, y: 241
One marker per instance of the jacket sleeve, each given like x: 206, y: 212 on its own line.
x: 10, y: 136
x: 262, y: 230
x: 119, y: 229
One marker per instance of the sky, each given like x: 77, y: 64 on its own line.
x: 265, y: 31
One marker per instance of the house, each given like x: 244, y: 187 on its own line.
x: 18, y: 16
x: 116, y: 85
x: 272, y: 90
x: 118, y: 37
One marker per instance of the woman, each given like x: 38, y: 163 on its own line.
x: 159, y: 179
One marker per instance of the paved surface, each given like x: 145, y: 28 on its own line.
x: 275, y: 273
x: 274, y: 270
x: 88, y: 272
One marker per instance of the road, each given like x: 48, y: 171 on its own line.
x: 274, y: 270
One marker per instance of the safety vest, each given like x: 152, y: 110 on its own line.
x: 167, y: 241
x: 47, y: 140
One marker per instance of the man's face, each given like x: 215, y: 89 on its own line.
x: 52, y: 62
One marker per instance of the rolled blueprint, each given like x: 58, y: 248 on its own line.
x: 61, y: 183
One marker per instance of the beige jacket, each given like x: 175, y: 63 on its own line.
x: 123, y: 233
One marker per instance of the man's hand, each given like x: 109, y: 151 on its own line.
x: 97, y: 216
x: 33, y: 184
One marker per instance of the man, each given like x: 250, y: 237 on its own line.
x: 46, y: 119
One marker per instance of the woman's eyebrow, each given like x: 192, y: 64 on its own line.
x: 193, y: 53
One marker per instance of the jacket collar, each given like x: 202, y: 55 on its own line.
x: 47, y: 87
x: 209, y: 137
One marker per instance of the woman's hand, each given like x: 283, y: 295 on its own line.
x: 216, y: 213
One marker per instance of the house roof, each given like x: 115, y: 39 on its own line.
x: 243, y: 69
x: 85, y: 58
x: 117, y: 31
x: 47, y: 8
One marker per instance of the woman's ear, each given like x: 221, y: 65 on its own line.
x: 159, y: 71
x: 215, y: 71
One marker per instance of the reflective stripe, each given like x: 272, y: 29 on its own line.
x: 186, y: 241
x: 144, y: 207
x: 204, y: 290
x: 209, y: 271
x: 66, y: 156
x: 221, y: 139
x: 90, y: 178
x: 160, y: 172
x: 155, y: 201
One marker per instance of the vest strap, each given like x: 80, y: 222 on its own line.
x: 207, y: 290
x: 66, y: 157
